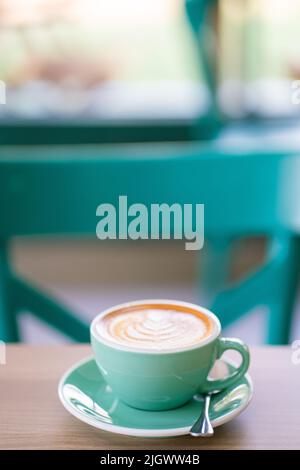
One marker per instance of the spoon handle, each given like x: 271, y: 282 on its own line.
x: 202, y: 427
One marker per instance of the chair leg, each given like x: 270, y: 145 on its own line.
x: 215, y: 268
x: 285, y: 291
x: 49, y: 311
x: 9, y: 331
x: 273, y: 285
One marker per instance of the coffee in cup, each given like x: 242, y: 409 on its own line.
x: 155, y: 327
x: 156, y: 354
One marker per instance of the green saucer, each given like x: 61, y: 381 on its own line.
x: 86, y: 396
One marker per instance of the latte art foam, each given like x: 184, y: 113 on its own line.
x: 154, y: 329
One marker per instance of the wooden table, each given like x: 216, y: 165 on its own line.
x: 31, y: 416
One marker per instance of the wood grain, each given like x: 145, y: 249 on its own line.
x: 31, y: 416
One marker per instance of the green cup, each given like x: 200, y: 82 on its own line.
x: 162, y: 380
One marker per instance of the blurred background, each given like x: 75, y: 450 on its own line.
x: 97, y: 59
x: 103, y: 59
x: 93, y: 60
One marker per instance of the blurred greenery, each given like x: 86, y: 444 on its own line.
x: 93, y: 41
x: 260, y: 38
x: 152, y: 43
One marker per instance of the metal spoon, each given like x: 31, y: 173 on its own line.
x: 202, y: 427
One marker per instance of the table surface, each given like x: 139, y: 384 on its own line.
x: 31, y: 416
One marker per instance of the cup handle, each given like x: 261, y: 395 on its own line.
x: 222, y: 346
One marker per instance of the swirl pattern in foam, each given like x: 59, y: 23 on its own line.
x: 154, y: 328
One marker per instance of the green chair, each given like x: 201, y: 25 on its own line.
x: 51, y: 191
x: 247, y: 190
